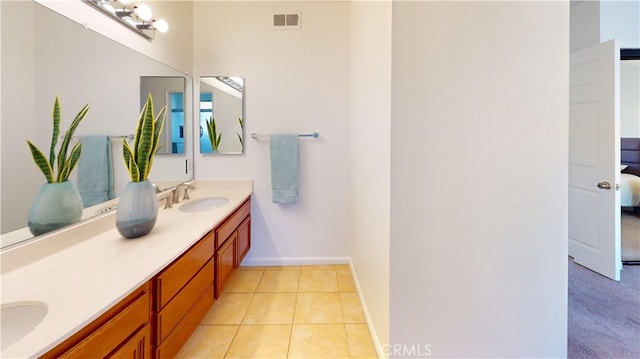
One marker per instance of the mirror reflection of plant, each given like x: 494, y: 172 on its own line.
x: 139, y: 159
x: 241, y: 131
x: 214, y: 136
x: 66, y: 164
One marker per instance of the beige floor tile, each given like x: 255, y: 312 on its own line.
x: 230, y: 308
x: 313, y: 308
x: 335, y: 267
x: 260, y: 341
x: 351, y: 308
x: 359, y: 339
x: 208, y: 341
x: 318, y: 281
x: 279, y: 281
x: 345, y: 281
x: 271, y: 308
x: 244, y: 281
x: 281, y: 268
x: 256, y: 268
x: 319, y: 341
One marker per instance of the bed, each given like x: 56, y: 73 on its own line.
x: 630, y: 173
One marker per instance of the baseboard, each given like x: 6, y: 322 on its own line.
x: 293, y: 261
x: 367, y: 317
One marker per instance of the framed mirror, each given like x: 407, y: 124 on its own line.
x: 222, y: 114
x: 45, y: 55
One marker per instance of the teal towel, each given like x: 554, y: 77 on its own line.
x: 95, y: 170
x: 284, y: 167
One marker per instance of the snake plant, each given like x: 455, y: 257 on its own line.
x: 240, y: 135
x: 214, y: 136
x: 66, y: 163
x: 139, y: 159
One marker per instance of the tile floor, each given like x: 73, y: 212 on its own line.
x: 284, y: 312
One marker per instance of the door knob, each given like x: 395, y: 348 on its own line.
x: 604, y: 185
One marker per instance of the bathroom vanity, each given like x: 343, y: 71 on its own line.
x: 106, y: 296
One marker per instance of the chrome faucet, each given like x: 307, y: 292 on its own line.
x: 176, y: 191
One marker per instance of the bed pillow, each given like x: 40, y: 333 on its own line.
x: 632, y: 170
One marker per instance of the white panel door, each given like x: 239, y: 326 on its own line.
x: 594, y: 159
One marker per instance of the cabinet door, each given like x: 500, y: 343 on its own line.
x: 244, y: 240
x: 138, y: 347
x: 225, y: 263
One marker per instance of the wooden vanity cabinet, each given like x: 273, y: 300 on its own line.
x: 123, y: 331
x: 184, y: 295
x: 158, y: 318
x: 233, y: 241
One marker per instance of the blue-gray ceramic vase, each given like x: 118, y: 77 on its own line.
x: 137, y: 210
x: 57, y: 205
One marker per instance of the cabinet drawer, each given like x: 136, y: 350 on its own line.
x: 171, y: 346
x: 243, y: 242
x: 171, y: 315
x: 114, y: 332
x: 230, y: 224
x: 225, y: 263
x: 177, y: 274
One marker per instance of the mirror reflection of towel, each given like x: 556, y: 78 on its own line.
x: 95, y: 170
x: 284, y: 167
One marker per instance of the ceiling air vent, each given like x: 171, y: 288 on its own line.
x: 286, y: 21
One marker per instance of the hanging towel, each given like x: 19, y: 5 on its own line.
x: 95, y: 170
x: 284, y: 167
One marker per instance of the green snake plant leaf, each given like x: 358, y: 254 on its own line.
x: 144, y: 143
x: 71, y: 162
x: 56, y: 131
x: 62, y: 154
x: 214, y: 137
x: 158, y: 126
x: 41, y: 161
x: 132, y: 167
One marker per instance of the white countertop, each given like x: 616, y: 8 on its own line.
x: 84, y: 270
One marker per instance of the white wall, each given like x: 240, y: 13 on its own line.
x: 296, y: 81
x: 370, y: 157
x: 585, y: 24
x: 620, y: 20
x: 479, y: 178
x: 630, y: 98
x: 593, y: 22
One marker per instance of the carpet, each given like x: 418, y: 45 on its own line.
x: 604, y: 315
x: 630, y: 235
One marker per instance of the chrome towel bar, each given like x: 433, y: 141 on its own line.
x: 314, y: 135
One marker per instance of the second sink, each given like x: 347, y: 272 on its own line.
x: 203, y: 204
x: 19, y: 319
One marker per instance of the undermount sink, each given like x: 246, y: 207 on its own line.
x: 203, y: 204
x: 19, y: 319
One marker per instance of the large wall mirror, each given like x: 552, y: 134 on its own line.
x: 222, y: 114
x: 45, y: 55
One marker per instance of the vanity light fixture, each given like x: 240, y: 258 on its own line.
x: 138, y: 18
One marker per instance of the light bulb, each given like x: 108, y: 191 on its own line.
x: 161, y: 25
x: 143, y: 12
